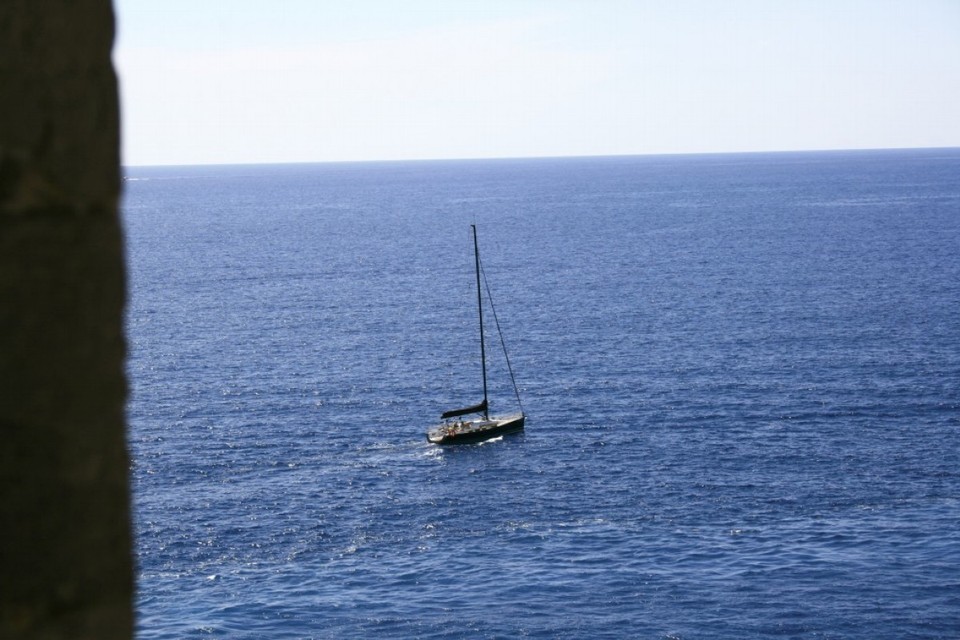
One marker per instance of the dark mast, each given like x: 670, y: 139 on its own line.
x: 483, y: 352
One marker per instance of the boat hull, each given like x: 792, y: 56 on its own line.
x: 468, y: 432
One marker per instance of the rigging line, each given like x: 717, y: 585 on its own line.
x: 503, y: 344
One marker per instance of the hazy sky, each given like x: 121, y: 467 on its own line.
x: 236, y: 81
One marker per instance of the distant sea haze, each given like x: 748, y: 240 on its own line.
x: 741, y: 377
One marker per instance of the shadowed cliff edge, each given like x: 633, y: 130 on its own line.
x: 65, y: 543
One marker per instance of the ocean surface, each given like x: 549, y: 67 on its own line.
x: 741, y: 375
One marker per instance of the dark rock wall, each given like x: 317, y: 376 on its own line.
x: 65, y: 542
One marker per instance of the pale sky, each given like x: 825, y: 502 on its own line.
x: 257, y: 81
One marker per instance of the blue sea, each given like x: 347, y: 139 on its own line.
x: 741, y: 375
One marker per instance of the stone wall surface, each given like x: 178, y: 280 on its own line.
x: 65, y: 542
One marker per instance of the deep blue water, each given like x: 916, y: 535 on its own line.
x: 741, y: 374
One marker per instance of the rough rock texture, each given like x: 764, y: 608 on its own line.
x: 65, y: 548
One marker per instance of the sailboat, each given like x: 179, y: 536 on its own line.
x: 457, y: 430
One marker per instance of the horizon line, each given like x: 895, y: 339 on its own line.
x: 124, y: 166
